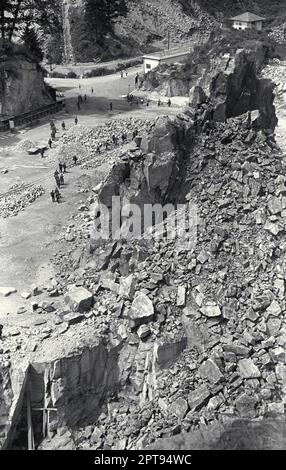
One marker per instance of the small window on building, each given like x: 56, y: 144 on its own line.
x: 148, y: 66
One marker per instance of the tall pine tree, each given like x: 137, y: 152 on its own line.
x: 100, y: 15
x: 31, y: 41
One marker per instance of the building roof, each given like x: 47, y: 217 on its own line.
x: 166, y: 55
x: 248, y: 17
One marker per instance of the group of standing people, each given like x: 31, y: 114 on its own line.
x: 81, y: 100
x: 60, y: 181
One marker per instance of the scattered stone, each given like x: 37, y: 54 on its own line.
x: 143, y: 331
x: 6, y: 291
x: 26, y: 295
x: 181, y: 296
x: 179, y: 408
x: 127, y: 287
x: 246, y: 406
x: 211, y: 310
x: 248, y: 370
x: 198, y: 397
x: 73, y: 318
x: 210, y: 371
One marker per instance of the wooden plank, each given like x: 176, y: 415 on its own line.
x: 31, y: 440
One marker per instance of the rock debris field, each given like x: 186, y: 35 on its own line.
x: 199, y: 331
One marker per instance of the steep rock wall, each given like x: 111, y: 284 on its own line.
x: 22, y: 86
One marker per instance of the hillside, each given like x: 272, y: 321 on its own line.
x: 147, y: 25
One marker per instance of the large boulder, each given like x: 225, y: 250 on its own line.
x: 141, y: 310
x: 79, y: 299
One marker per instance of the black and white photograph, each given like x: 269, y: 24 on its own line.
x: 142, y: 230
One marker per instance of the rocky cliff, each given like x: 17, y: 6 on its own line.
x: 22, y: 86
x: 229, y: 81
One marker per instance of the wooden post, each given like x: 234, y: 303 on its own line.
x: 31, y: 441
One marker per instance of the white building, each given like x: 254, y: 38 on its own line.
x: 247, y: 21
x: 152, y: 61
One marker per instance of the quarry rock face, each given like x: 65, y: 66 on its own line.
x: 237, y: 89
x: 228, y: 82
x: 24, y: 89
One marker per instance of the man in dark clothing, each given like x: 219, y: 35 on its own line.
x: 135, y: 133
x: 62, y: 180
x: 57, y: 178
x: 61, y: 167
x: 111, y: 106
x: 159, y: 102
x: 85, y: 98
x: 169, y: 103
x: 42, y: 152
x: 57, y: 195
x: 76, y: 120
x: 92, y: 90
x: 1, y: 330
x: 75, y: 159
x: 63, y: 126
x: 50, y: 142
x: 65, y: 167
x: 53, y: 196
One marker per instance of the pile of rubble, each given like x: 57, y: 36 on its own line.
x: 18, y: 197
x: 198, y: 329
x: 24, y: 145
x: 86, y: 142
x: 220, y: 304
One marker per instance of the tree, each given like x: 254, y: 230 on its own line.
x: 100, y: 15
x: 31, y: 41
x: 15, y: 15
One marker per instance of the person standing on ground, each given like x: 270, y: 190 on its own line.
x: 76, y: 120
x: 92, y: 91
x: 60, y: 167
x: 75, y: 159
x: 111, y: 106
x: 65, y: 167
x: 53, y: 195
x: 50, y: 143
x: 169, y: 103
x: 57, y: 195
x: 159, y: 102
x: 62, y: 180
x: 1, y: 331
x: 85, y: 98
x: 79, y: 86
x: 121, y: 73
x: 63, y: 126
x: 57, y: 178
x: 42, y: 151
